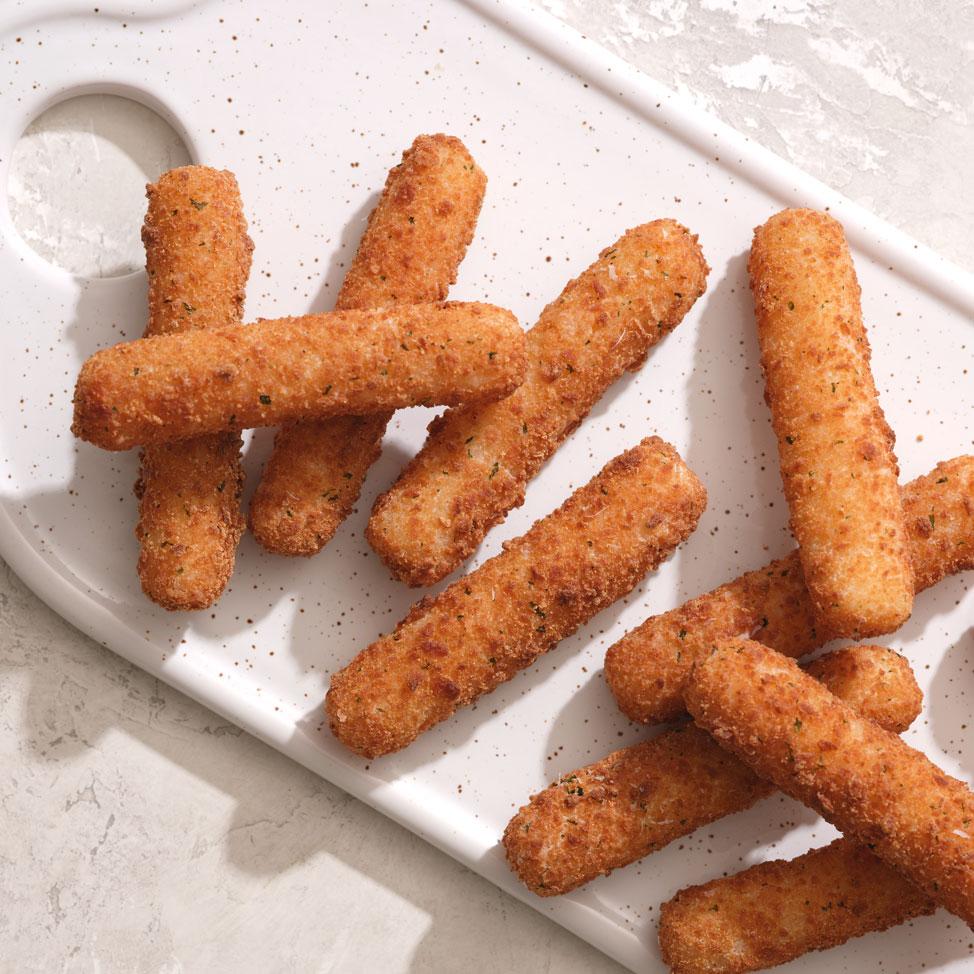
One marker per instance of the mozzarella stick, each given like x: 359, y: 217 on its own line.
x: 863, y: 779
x: 640, y: 798
x: 487, y: 626
x: 197, y: 256
x: 836, y: 450
x: 777, y: 911
x: 172, y: 387
x: 413, y: 244
x: 478, y: 459
x: 647, y: 669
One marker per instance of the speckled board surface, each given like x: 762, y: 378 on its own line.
x: 310, y: 124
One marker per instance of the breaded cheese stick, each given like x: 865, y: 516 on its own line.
x: 863, y: 779
x: 478, y: 459
x: 640, y: 798
x: 157, y: 390
x: 777, y: 911
x: 197, y: 256
x: 412, y: 246
x: 836, y: 450
x: 647, y: 668
x: 499, y: 619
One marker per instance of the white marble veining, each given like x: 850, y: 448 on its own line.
x: 140, y: 832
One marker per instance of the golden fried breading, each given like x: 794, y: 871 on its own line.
x: 777, y: 911
x: 647, y: 668
x: 640, y: 798
x: 477, y: 459
x: 413, y: 244
x: 197, y: 255
x: 158, y: 390
x: 837, y: 463
x: 487, y: 626
x: 863, y: 779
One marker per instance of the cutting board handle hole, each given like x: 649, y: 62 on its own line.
x: 77, y: 176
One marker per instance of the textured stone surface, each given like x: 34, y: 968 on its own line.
x: 140, y: 832
x: 875, y: 99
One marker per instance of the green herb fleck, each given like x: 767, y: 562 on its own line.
x: 942, y: 480
x: 198, y: 204
x: 789, y: 440
x: 137, y: 370
x: 933, y: 521
x: 493, y: 470
x: 682, y: 634
x: 188, y: 308
x: 266, y: 400
x: 221, y: 485
x: 791, y: 305
x: 327, y: 389
x: 798, y: 724
x: 491, y: 355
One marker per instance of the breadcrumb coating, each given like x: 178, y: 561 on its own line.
x: 413, y: 244
x: 478, y: 459
x: 640, y: 798
x: 647, y: 668
x: 836, y: 449
x: 869, y: 784
x: 777, y: 911
x: 171, y: 387
x: 494, y: 622
x: 197, y: 255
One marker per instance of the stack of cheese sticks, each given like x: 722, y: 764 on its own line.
x: 824, y: 734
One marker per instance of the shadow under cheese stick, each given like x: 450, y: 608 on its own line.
x: 197, y: 256
x: 494, y: 622
x: 647, y: 669
x: 836, y: 449
x: 640, y: 798
x: 156, y: 390
x: 861, y: 778
x: 416, y: 237
x: 477, y: 460
x: 777, y: 911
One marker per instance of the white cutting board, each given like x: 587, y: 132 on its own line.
x: 577, y: 147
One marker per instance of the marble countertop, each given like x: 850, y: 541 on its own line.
x: 141, y: 832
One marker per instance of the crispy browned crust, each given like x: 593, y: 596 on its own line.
x: 487, y: 626
x: 939, y: 510
x: 197, y: 256
x: 172, y: 387
x: 409, y: 254
x: 863, y: 779
x: 640, y: 798
x: 837, y: 463
x: 647, y: 668
x: 477, y: 459
x: 777, y: 911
